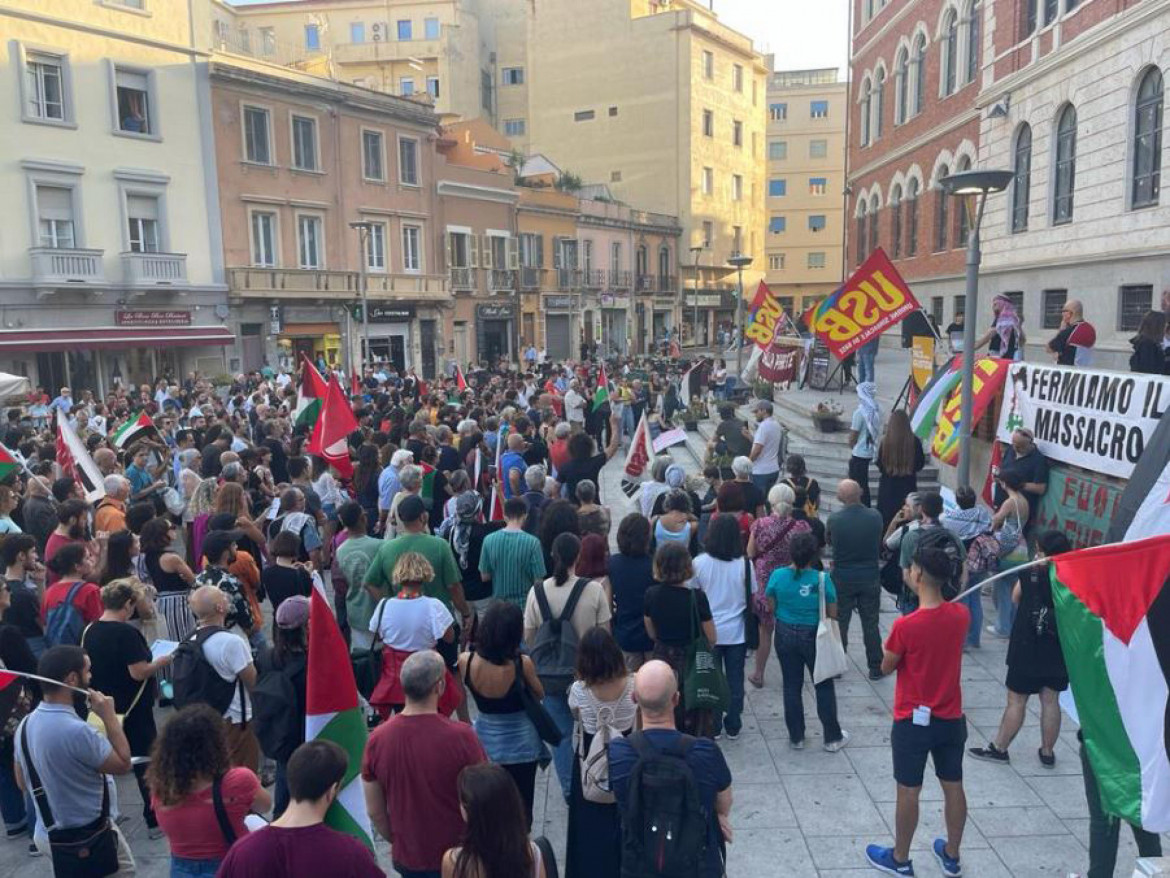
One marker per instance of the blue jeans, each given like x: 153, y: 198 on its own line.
x: 796, y: 650
x: 1005, y: 609
x: 182, y: 867
x: 764, y: 483
x: 558, y: 708
x: 280, y: 790
x: 15, y: 807
x: 732, y: 658
x: 866, y: 355
x: 628, y: 425
x: 974, y: 602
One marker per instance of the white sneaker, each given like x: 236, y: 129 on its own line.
x: 836, y: 746
x: 796, y: 745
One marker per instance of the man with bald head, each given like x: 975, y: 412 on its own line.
x: 656, y: 693
x: 106, y: 461
x: 513, y: 466
x: 231, y: 658
x: 1073, y: 345
x: 855, y: 533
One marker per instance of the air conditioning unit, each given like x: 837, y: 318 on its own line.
x: 378, y: 31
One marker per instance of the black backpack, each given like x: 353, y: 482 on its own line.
x: 938, y: 537
x: 195, y: 680
x: 554, y: 650
x: 278, y: 723
x: 664, y: 828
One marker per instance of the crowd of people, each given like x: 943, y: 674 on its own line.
x: 502, y: 619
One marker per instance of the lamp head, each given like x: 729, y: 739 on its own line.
x: 976, y: 182
x: 361, y: 226
x: 740, y: 261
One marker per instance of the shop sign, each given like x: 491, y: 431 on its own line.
x: 663, y: 302
x: 386, y: 313
x: 1079, y: 504
x: 275, y: 319
x: 558, y: 302
x: 619, y: 303
x: 152, y: 318
x: 1099, y: 421
x: 495, y: 312
x: 706, y: 300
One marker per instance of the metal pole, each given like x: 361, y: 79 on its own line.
x: 695, y: 310
x: 362, y: 242
x: 739, y: 328
x: 970, y: 315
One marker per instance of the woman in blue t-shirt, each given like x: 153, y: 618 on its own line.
x: 794, y: 599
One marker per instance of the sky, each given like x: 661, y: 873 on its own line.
x: 798, y: 38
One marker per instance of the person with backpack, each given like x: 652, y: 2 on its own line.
x: 278, y: 699
x: 583, y: 603
x: 199, y: 798
x: 602, y: 703
x: 214, y: 666
x: 121, y: 666
x: 930, y: 532
x: 673, y: 791
x: 73, y: 600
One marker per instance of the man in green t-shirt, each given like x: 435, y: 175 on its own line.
x: 353, y: 558
x: 511, y: 559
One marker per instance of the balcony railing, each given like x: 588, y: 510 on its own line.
x: 155, y: 269
x: 647, y: 283
x: 463, y: 279
x: 502, y: 279
x: 593, y: 278
x: 386, y: 50
x: 530, y: 278
x: 568, y: 279
x: 667, y: 283
x: 619, y: 280
x: 53, y: 265
x: 294, y: 283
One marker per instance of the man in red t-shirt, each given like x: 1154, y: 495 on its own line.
x: 72, y: 527
x: 411, y: 767
x: 926, y: 649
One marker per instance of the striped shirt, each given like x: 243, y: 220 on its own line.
x: 514, y: 561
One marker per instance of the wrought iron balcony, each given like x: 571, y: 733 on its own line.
x: 502, y: 279
x: 463, y: 279
x: 530, y: 278
x: 619, y: 280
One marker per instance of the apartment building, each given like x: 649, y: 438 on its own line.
x: 111, y: 266
x: 1074, y: 104
x: 326, y: 186
x: 805, y: 193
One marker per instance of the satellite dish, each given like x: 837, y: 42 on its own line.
x: 222, y: 311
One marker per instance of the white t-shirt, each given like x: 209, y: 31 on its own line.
x: 229, y: 654
x: 722, y: 582
x: 768, y: 434
x: 574, y: 406
x: 413, y: 624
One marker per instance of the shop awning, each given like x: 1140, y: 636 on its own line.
x: 105, y: 338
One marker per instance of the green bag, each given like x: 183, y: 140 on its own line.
x: 704, y: 686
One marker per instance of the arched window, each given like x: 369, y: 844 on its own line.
x: 1022, y: 183
x: 950, y: 47
x: 1147, y: 139
x: 941, y: 210
x: 879, y: 101
x: 866, y: 90
x: 901, y: 85
x: 896, y: 221
x: 862, y: 238
x: 919, y: 65
x: 1066, y: 166
x: 642, y: 261
x: 964, y: 164
x: 874, y: 219
x: 972, y: 41
x: 664, y: 269
x: 912, y: 218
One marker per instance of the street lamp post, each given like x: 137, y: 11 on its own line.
x: 695, y: 253
x: 981, y: 183
x: 739, y: 262
x: 363, y: 230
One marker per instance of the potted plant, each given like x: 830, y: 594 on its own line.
x: 827, y: 416
x: 695, y: 412
x: 763, y: 389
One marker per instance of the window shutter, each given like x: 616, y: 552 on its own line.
x: 55, y: 203
x: 472, y: 250
x: 513, y: 249
x: 142, y: 207
x: 447, y: 250
x: 558, y: 252
x: 539, y: 239
x: 485, y: 243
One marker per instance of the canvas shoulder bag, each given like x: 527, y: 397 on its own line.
x: 831, y: 660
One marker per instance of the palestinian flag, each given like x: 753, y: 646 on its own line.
x: 330, y: 438
x: 428, y: 484
x: 460, y: 381
x: 310, y: 394
x: 925, y: 414
x: 8, y: 462
x: 1113, y: 616
x: 601, y: 395
x: 332, y: 714
x: 75, y: 461
x: 137, y: 427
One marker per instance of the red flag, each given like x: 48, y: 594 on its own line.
x: 355, y: 383
x: 996, y: 460
x: 497, y: 507
x: 75, y: 461
x: 312, y: 384
x: 460, y: 382
x: 331, y: 432
x: 641, y: 451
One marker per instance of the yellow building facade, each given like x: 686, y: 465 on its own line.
x: 805, y: 185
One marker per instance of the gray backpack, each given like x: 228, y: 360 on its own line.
x: 554, y: 651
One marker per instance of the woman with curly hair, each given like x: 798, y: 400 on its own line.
x: 189, y: 768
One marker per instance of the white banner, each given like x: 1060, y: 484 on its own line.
x: 1101, y: 421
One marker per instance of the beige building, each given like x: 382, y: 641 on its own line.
x: 805, y: 184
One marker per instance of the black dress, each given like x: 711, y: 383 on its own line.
x: 1034, y: 658
x: 594, y: 843
x: 892, y: 490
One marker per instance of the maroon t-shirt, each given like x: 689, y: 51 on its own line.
x: 417, y: 760
x: 304, y: 852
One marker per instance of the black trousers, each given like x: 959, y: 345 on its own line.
x: 859, y: 472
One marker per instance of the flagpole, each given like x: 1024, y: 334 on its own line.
x: 41, y: 679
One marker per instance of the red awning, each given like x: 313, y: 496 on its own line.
x: 104, y: 338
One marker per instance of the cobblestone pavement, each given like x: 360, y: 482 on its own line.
x: 811, y: 813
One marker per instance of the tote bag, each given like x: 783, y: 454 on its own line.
x: 704, y: 686
x: 831, y: 660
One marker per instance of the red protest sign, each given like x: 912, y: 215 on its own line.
x: 780, y: 363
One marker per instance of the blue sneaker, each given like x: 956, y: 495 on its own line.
x: 950, y: 865
x: 883, y: 860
